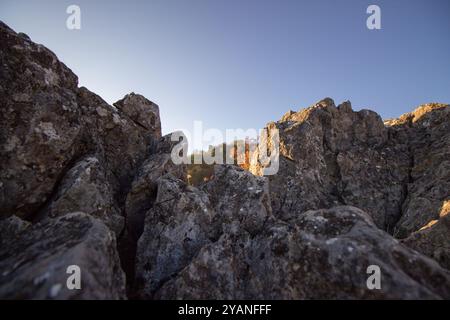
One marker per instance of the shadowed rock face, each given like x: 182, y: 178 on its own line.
x: 48, y: 125
x: 426, y: 132
x: 34, y: 265
x: 318, y: 254
x: 90, y: 184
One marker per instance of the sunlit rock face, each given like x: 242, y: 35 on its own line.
x: 397, y: 171
x: 433, y: 240
x: 336, y: 156
x: 90, y: 184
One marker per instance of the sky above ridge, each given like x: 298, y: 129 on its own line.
x: 240, y: 64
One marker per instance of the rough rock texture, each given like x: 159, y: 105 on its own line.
x: 47, y: 124
x: 86, y: 183
x: 426, y: 132
x: 141, y: 111
x: 85, y: 188
x: 433, y: 240
x: 63, y: 149
x: 143, y: 190
x: 40, y: 125
x: 34, y: 265
x: 319, y: 254
x: 184, y: 219
x: 334, y: 156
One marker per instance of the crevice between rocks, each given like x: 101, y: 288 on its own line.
x: 127, y: 247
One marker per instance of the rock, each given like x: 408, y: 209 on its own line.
x: 184, y: 219
x: 48, y: 124
x: 75, y: 172
x: 427, y: 134
x: 10, y: 229
x: 175, y: 230
x: 40, y: 123
x: 239, y: 196
x: 321, y: 254
x: 332, y: 155
x: 143, y: 190
x: 433, y: 241
x: 123, y: 144
x: 141, y: 198
x: 34, y: 265
x: 141, y: 111
x: 86, y: 188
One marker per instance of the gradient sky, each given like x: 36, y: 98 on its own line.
x: 241, y: 64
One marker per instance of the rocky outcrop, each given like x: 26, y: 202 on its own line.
x: 48, y: 124
x: 141, y: 111
x: 85, y: 188
x: 321, y: 254
x: 93, y: 185
x: 184, y: 219
x: 217, y: 234
x: 63, y: 150
x: 335, y: 156
x: 426, y: 132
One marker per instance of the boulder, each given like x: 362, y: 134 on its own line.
x: 35, y: 262
x: 85, y: 188
x: 142, y: 111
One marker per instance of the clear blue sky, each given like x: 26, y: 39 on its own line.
x: 241, y: 64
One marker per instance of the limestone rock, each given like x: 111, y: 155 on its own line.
x: 321, y: 254
x: 34, y: 265
x: 433, y: 240
x: 184, y: 219
x: 123, y: 144
x: 47, y: 124
x: 76, y: 172
x: 40, y: 123
x: 143, y: 190
x: 426, y: 131
x: 333, y: 155
x: 85, y: 188
x: 141, y: 111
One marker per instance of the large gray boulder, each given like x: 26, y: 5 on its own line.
x: 86, y: 188
x: 34, y: 262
